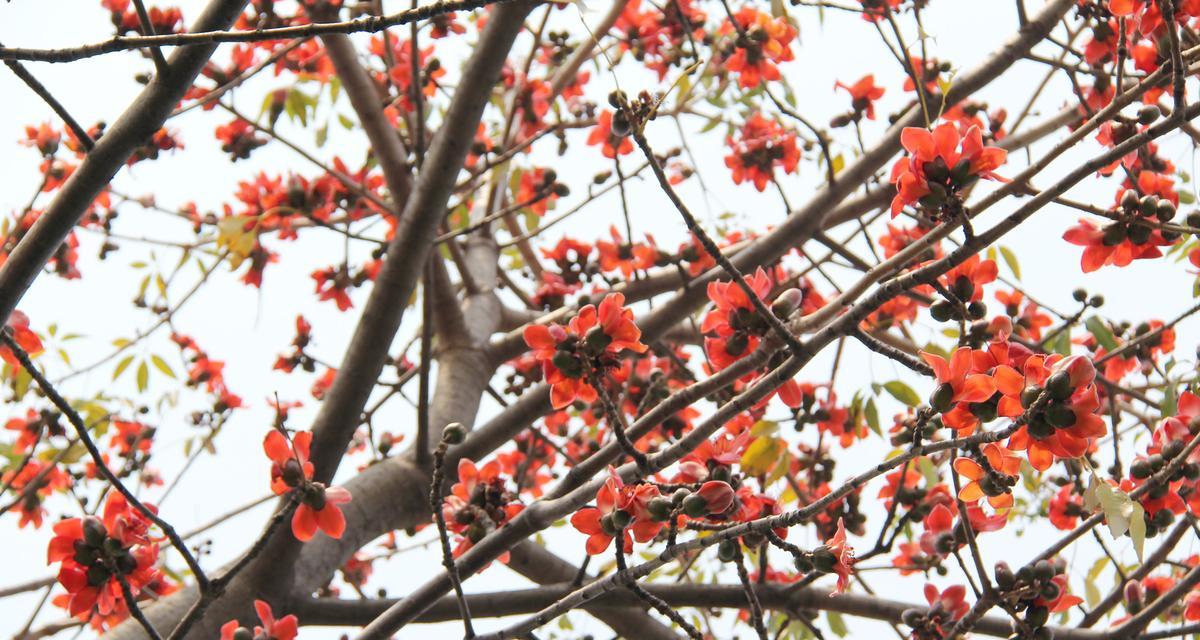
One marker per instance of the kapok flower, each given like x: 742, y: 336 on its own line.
x: 960, y: 386
x: 993, y: 480
x: 945, y: 608
x: 618, y: 507
x: 96, y: 554
x: 767, y: 43
x: 478, y: 503
x: 863, y: 95
x: 591, y: 346
x: 761, y: 146
x: 734, y: 328
x: 1066, y: 507
x: 17, y: 327
x: 292, y: 471
x: 940, y: 166
x: 1066, y: 425
x: 613, y: 143
x: 836, y: 556
x: 1103, y: 248
x: 318, y: 510
x: 285, y: 628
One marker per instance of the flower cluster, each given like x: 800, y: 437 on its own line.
x: 478, y: 503
x: 97, y: 554
x: 761, y: 146
x: 762, y: 44
x: 941, y: 164
x: 588, y: 348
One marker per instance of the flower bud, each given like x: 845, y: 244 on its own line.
x: 1005, y: 579
x: 94, y: 532
x: 454, y: 433
x: 912, y: 617
x: 659, y: 508
x: 1059, y: 385
x: 718, y: 496
x: 695, y: 506
x: 824, y: 559
x: 1134, y: 595
x: 727, y: 550
x: 942, y: 397
x: 787, y: 302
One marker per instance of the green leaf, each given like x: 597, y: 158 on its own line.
x: 1061, y: 343
x: 143, y: 376
x: 1102, y: 333
x: 122, y: 366
x: 1093, y: 576
x: 1137, y: 529
x: 925, y: 466
x: 836, y: 624
x: 1010, y: 259
x: 872, y: 415
x: 1170, y: 402
x: 902, y: 392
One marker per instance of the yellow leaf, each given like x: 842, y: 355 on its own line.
x: 233, y: 236
x: 761, y: 455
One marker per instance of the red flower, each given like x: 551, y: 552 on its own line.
x: 537, y: 187
x: 1067, y: 425
x: 763, y: 144
x: 1065, y: 599
x: 1028, y: 320
x: 612, y: 144
x: 626, y: 257
x: 863, y: 94
x: 617, y: 505
x: 595, y: 338
x: 18, y: 329
x: 768, y: 42
x: 836, y: 556
x: 332, y: 284
x: 960, y: 386
x: 319, y: 510
x: 292, y: 471
x: 733, y: 328
x: 289, y: 460
x: 945, y: 606
x: 1065, y: 507
x: 29, y: 429
x: 984, y: 482
x: 967, y: 279
x: 1111, y: 248
x: 942, y: 163
x: 284, y: 628
x: 35, y: 481
x: 97, y: 553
